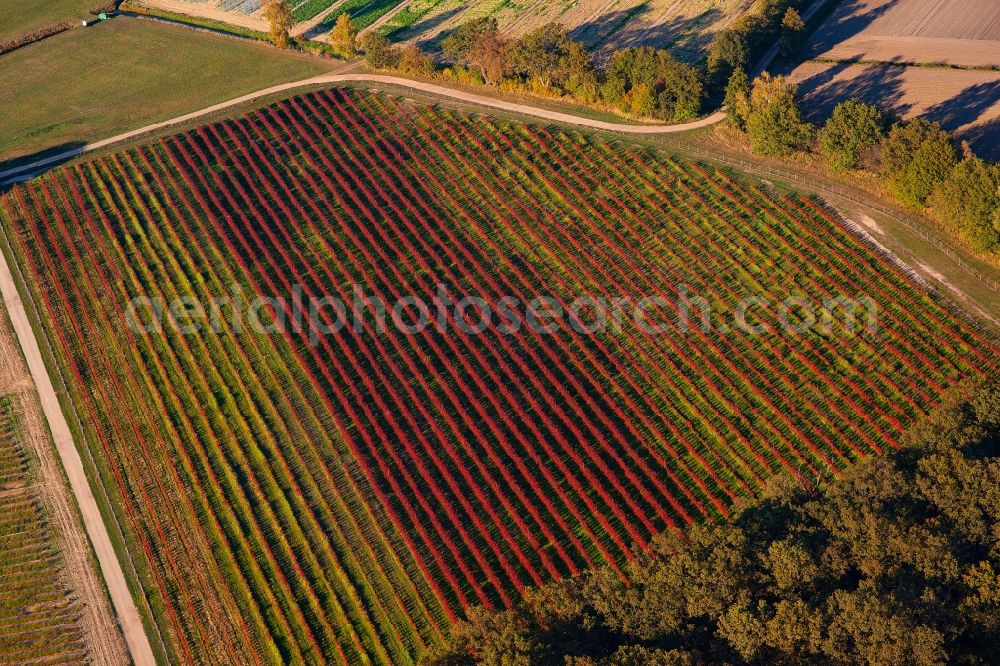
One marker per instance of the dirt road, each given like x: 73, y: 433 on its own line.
x: 27, y: 170
x: 128, y: 615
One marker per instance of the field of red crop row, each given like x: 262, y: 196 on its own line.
x: 335, y: 498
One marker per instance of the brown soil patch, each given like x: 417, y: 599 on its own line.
x: 955, y: 32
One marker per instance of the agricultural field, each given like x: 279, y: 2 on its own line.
x: 53, y: 605
x: 43, y: 619
x: 952, y: 44
x: 684, y: 26
x: 170, y: 72
x: 364, y: 13
x: 38, y: 619
x: 966, y: 102
x: 952, y: 32
x: 23, y: 17
x: 318, y: 493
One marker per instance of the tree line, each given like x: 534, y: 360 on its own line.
x: 641, y: 82
x: 917, y: 160
x: 898, y: 562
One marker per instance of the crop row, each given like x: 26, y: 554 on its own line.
x: 297, y: 496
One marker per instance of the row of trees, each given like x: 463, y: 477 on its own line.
x: 642, y: 82
x: 896, y: 563
x: 741, y: 45
x: 918, y: 159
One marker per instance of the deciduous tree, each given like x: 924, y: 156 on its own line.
x: 456, y: 46
x: 278, y: 15
x: 344, y: 36
x: 737, y: 100
x: 793, y: 32
x: 898, y: 562
x: 379, y: 51
x: 853, y: 129
x: 968, y: 201
x: 414, y: 61
x: 774, y: 121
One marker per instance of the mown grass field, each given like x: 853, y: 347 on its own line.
x: 20, y: 18
x: 332, y: 498
x: 38, y: 617
x: 89, y: 84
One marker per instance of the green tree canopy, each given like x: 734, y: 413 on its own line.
x: 538, y: 54
x: 379, y: 51
x: 968, y: 201
x: 853, y: 128
x: 903, y: 141
x: 898, y: 562
x: 675, y: 87
x: 773, y: 119
x: 737, y: 100
x: 929, y: 166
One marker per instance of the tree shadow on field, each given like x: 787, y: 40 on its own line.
x: 431, y: 44
x: 60, y: 154
x: 881, y: 85
x: 984, y: 139
x: 681, y: 35
x: 846, y: 22
x: 967, y: 106
x: 600, y: 32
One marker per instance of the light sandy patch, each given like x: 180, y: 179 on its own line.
x: 934, y: 274
x: 955, y: 290
x: 208, y: 10
x: 870, y: 224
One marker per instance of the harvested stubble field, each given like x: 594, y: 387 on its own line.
x: 966, y: 102
x: 684, y: 26
x: 334, y: 498
x: 953, y: 32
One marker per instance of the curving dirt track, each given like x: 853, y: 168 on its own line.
x: 27, y: 170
